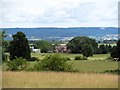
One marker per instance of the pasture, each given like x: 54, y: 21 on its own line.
x: 96, y: 64
x: 90, y: 74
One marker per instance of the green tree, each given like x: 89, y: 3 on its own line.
x: 104, y: 49
x: 19, y: 46
x: 116, y: 51
x: 87, y: 50
x: 109, y: 47
x: 3, y: 44
x: 45, y: 46
x: 76, y: 44
x: 118, y: 47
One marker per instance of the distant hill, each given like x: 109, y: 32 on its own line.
x: 60, y: 33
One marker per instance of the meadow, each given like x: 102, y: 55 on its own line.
x: 58, y: 80
x: 90, y: 74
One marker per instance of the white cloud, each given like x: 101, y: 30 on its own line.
x: 62, y: 13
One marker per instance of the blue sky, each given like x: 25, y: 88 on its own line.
x: 59, y: 13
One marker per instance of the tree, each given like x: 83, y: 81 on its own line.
x: 76, y: 44
x: 87, y: 50
x: 116, y: 51
x: 45, y: 46
x: 3, y: 44
x: 104, y: 49
x: 109, y: 47
x: 19, y: 46
x: 118, y: 48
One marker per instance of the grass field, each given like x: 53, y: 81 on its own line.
x: 96, y: 64
x: 89, y: 75
x: 72, y: 56
x: 58, y: 80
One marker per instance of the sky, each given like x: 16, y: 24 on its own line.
x: 58, y: 13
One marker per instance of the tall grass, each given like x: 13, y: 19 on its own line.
x: 58, y: 80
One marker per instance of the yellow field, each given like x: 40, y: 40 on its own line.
x: 58, y: 80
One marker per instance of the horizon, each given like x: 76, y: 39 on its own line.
x: 57, y: 27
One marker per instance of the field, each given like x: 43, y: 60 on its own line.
x: 58, y: 80
x: 89, y: 76
x: 97, y: 64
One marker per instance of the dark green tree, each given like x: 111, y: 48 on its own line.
x: 19, y: 46
x: 118, y: 47
x: 104, y: 49
x: 76, y: 44
x: 109, y: 47
x: 116, y: 51
x: 3, y: 44
x: 87, y: 50
x: 45, y: 46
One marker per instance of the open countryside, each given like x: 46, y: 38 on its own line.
x: 90, y: 75
x: 60, y: 44
x: 80, y: 63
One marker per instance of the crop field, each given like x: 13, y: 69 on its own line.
x: 90, y: 74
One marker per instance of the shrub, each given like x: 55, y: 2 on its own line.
x: 17, y: 64
x: 117, y: 71
x: 34, y: 59
x: 68, y: 58
x: 109, y: 59
x: 84, y: 58
x: 53, y: 63
x: 78, y: 58
x: 4, y: 57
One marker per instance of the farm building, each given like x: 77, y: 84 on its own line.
x: 34, y: 50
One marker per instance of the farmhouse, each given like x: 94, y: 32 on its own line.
x: 61, y: 48
x: 34, y: 50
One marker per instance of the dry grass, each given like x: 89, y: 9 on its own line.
x: 58, y: 80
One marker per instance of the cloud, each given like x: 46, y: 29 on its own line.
x: 62, y: 13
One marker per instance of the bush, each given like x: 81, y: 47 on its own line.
x: 84, y: 58
x: 117, y: 71
x: 34, y: 59
x: 4, y: 57
x: 78, y: 58
x: 68, y: 58
x: 53, y: 63
x: 109, y: 59
x: 17, y: 64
